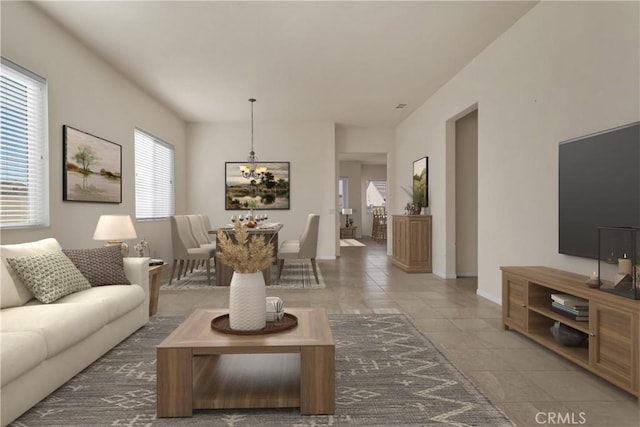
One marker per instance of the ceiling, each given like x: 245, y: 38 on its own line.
x: 349, y: 63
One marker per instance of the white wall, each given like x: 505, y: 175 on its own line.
x: 364, y: 139
x: 564, y: 70
x: 88, y: 94
x: 310, y: 149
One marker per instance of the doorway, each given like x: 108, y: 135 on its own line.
x: 466, y: 195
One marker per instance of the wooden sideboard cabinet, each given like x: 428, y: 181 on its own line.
x: 412, y: 243
x: 612, y: 350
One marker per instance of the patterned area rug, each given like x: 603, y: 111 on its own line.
x: 351, y: 242
x: 297, y: 274
x: 387, y: 374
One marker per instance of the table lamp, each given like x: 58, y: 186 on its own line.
x: 347, y: 212
x: 114, y: 229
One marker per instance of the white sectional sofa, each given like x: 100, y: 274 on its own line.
x: 44, y: 345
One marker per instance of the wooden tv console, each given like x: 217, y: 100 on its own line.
x: 613, y: 349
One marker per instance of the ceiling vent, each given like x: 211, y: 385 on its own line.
x: 400, y: 106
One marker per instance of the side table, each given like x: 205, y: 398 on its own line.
x: 348, y: 231
x: 155, y: 272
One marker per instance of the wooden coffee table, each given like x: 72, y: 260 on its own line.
x: 199, y: 368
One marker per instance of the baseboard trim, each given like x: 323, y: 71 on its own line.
x: 488, y: 296
x: 467, y: 274
x: 444, y: 275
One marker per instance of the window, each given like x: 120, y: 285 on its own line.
x: 24, y: 163
x: 376, y: 195
x: 343, y: 195
x: 155, y: 195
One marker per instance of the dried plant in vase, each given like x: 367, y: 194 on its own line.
x: 248, y: 256
x: 245, y: 254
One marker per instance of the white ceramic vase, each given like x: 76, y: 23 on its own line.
x: 247, y: 296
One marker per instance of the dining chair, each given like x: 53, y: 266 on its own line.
x: 207, y: 226
x: 186, y: 249
x: 197, y: 228
x: 379, y: 231
x: 304, y: 248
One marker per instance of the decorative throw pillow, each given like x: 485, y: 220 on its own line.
x: 101, y: 266
x: 49, y: 276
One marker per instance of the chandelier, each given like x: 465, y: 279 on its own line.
x: 251, y: 170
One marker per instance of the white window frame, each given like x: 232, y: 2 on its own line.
x: 155, y: 177
x: 24, y: 148
x: 343, y: 193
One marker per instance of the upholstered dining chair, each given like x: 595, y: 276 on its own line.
x: 305, y: 248
x: 196, y: 225
x: 186, y: 249
x: 207, y: 226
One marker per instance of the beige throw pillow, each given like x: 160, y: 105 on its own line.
x: 14, y: 293
x: 49, y: 276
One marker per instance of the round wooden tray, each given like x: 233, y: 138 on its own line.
x: 288, y: 321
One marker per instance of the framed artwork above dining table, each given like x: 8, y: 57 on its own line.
x: 269, y: 191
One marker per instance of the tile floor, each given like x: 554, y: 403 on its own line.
x: 533, y: 386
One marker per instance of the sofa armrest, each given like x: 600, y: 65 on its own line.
x: 137, y: 271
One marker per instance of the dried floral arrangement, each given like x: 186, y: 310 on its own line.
x: 245, y: 254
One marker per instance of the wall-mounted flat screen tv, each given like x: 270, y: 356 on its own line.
x: 599, y: 186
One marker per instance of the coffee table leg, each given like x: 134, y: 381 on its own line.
x: 174, y: 383
x: 317, y: 380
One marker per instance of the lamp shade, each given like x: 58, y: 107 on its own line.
x: 114, y: 227
x: 347, y: 211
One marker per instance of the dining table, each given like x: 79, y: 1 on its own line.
x: 270, y: 231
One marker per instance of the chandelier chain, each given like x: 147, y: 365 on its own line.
x: 252, y: 152
x: 251, y: 170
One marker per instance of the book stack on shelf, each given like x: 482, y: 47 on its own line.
x: 570, y: 306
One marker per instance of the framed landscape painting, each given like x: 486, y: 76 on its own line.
x: 420, y: 181
x: 269, y: 192
x: 92, y: 168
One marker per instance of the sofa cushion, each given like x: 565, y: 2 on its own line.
x: 101, y: 266
x: 13, y: 292
x: 289, y: 249
x: 19, y: 353
x: 116, y: 300
x: 60, y: 325
x: 49, y: 276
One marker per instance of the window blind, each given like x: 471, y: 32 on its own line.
x: 155, y: 195
x: 24, y: 164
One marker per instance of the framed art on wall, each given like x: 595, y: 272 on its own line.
x: 269, y: 191
x: 420, y: 182
x: 92, y: 168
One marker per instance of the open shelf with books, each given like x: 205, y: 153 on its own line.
x: 581, y: 326
x: 596, y: 330
x: 539, y: 330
